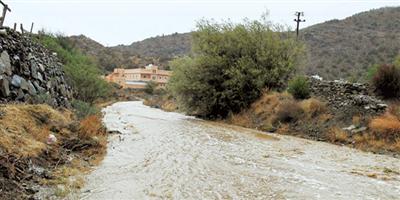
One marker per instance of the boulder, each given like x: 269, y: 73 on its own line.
x: 5, y: 64
x: 19, y: 82
x: 34, y: 70
x: 4, y: 87
x: 31, y: 88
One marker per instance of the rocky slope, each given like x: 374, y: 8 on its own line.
x: 335, y: 49
x: 30, y: 73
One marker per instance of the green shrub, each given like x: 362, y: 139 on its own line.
x: 150, y: 87
x: 387, y: 81
x: 372, y: 71
x: 397, y: 61
x: 42, y: 98
x: 83, y: 109
x: 230, y: 66
x: 299, y: 87
x: 80, y: 70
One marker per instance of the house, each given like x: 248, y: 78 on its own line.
x: 138, y: 78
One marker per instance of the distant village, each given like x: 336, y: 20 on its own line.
x: 138, y: 78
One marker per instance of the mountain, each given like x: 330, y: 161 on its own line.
x: 347, y: 48
x: 335, y: 49
x: 162, y: 47
x: 156, y: 50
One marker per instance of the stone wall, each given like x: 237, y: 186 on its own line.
x: 30, y: 73
x: 342, y: 95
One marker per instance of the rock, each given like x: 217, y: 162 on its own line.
x: 5, y: 64
x: 39, y: 77
x: 41, y: 67
x: 16, y: 81
x: 350, y: 128
x: 51, y: 139
x: 38, y: 88
x: 48, y: 85
x: 317, y: 77
x: 382, y: 106
x: 4, y: 87
x: 19, y: 82
x: 31, y: 88
x: 34, y: 70
x: 359, y: 130
x: 20, y: 95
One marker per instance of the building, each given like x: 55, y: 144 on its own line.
x: 138, y: 78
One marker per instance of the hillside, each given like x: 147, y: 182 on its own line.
x: 335, y: 49
x: 346, y: 48
x: 157, y: 50
x: 162, y: 47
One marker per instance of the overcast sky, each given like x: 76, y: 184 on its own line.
x: 113, y: 22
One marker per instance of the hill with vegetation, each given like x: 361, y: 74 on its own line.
x: 347, y: 48
x: 335, y: 49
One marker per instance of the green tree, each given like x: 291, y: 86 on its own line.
x: 150, y: 87
x: 231, y: 64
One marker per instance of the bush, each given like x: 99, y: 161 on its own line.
x: 83, y: 109
x: 81, y: 72
x: 91, y: 126
x: 150, y: 87
x: 42, y: 98
x: 288, y: 111
x: 231, y: 65
x: 386, y: 127
x: 313, y: 107
x: 386, y: 81
x: 299, y: 87
x: 336, y: 134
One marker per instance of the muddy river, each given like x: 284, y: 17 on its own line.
x: 162, y: 155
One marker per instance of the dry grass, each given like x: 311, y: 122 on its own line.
x: 284, y: 129
x: 386, y: 127
x: 24, y: 128
x: 383, y: 133
x: 288, y: 111
x: 324, y: 117
x: 242, y: 119
x: 336, y: 134
x: 313, y: 107
x: 90, y: 127
x: 261, y: 113
x: 356, y: 120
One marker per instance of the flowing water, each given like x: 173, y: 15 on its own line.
x: 162, y: 155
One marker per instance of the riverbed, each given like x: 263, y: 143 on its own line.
x: 161, y: 155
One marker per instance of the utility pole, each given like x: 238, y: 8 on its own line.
x: 298, y: 20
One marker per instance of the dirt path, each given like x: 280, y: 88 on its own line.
x: 170, y: 156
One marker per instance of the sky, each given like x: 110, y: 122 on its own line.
x: 114, y: 22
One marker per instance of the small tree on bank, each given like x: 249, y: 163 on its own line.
x: 150, y: 87
x: 231, y: 65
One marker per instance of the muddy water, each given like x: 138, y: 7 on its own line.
x: 170, y: 156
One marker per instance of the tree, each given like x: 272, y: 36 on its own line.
x: 150, y: 87
x: 231, y: 64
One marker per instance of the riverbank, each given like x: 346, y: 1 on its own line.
x: 43, y: 151
x: 349, y: 114
x: 169, y: 155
